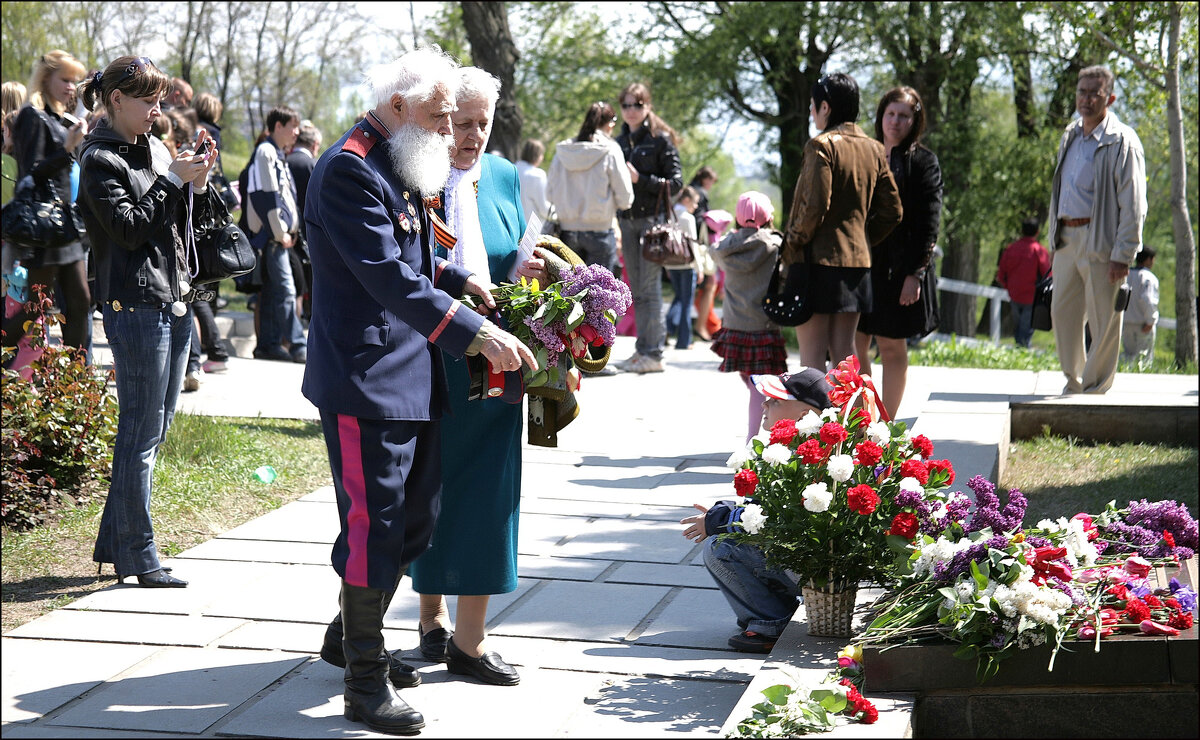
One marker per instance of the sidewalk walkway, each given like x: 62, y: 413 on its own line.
x: 616, y: 628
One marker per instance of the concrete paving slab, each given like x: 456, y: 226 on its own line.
x: 299, y: 521
x: 634, y: 540
x: 540, y: 534
x: 697, y: 618
x: 581, y: 611
x: 241, y: 387
x: 33, y: 682
x: 324, y: 495
x: 293, y: 637
x: 184, y: 689
x: 285, y: 593
x: 641, y: 706
x: 672, y: 514
x: 654, y: 574
x: 134, y: 629
x: 261, y: 551
x: 560, y: 568
x: 603, y: 479
x: 405, y: 609
x: 568, y: 507
x: 42, y: 731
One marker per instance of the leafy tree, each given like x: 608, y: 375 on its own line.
x: 493, y: 50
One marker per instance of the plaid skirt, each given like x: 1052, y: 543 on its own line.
x: 755, y: 352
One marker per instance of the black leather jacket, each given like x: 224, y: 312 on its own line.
x: 135, y: 217
x: 656, y: 160
x: 908, y: 249
x: 39, y: 146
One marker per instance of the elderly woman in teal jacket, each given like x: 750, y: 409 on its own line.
x: 474, y: 550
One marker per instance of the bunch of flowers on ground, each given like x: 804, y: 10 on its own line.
x: 826, y: 493
x: 977, y: 577
x: 559, y: 321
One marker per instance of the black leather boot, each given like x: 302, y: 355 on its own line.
x: 401, y: 674
x: 369, y: 696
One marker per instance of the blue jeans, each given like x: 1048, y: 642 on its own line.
x: 595, y: 248
x: 645, y: 282
x: 278, y: 321
x: 1022, y: 314
x: 149, y: 347
x: 762, y: 599
x: 679, y: 314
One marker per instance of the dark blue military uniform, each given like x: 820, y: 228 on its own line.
x: 382, y: 311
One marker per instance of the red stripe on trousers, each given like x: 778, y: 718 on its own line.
x: 358, y: 518
x: 445, y: 321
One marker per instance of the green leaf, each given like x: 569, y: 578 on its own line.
x: 778, y: 694
x: 576, y: 317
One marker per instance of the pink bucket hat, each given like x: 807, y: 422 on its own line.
x: 754, y: 209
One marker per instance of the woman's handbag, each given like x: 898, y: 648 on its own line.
x: 37, y: 217
x: 220, y: 250
x: 786, y: 300
x: 664, y: 243
x: 1043, y: 293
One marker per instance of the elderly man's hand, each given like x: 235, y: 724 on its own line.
x: 483, y: 289
x: 505, y: 352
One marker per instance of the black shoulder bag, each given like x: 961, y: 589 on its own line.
x: 220, y: 250
x: 786, y: 301
x: 37, y: 217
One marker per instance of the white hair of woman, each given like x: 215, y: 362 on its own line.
x: 475, y: 83
x: 414, y: 76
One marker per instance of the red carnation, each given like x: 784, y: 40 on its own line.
x: 1135, y: 611
x: 810, y: 452
x: 1119, y: 590
x: 1152, y: 601
x: 869, y: 712
x: 914, y: 469
x: 868, y: 453
x: 852, y: 695
x: 783, y: 432
x: 745, y: 482
x: 1180, y: 620
x: 1170, y: 603
x: 832, y: 433
x: 943, y: 466
x: 922, y: 445
x: 904, y: 525
x: 862, y: 499
x: 1169, y: 539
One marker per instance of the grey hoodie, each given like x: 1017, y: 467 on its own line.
x: 588, y: 183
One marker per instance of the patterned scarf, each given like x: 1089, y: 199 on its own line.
x: 462, y: 216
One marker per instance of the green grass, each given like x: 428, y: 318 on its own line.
x: 1062, y: 476
x: 203, y: 486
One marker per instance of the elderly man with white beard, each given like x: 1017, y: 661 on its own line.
x: 383, y: 310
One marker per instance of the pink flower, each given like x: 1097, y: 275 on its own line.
x: 1154, y: 628
x: 1137, y: 566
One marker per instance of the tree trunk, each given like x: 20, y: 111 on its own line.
x: 1185, y: 244
x: 493, y: 50
x: 961, y: 245
x: 1023, y: 95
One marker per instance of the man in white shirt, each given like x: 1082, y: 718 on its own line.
x: 533, y: 180
x: 1097, y: 207
x: 1141, y: 317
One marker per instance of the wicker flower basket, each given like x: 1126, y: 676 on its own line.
x: 829, y: 613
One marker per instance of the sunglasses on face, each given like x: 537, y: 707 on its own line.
x: 627, y: 106
x: 141, y: 64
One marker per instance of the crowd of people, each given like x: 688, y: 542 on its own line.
x: 373, y: 243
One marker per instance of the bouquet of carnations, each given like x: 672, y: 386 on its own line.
x: 559, y: 321
x: 975, y: 576
x: 824, y: 494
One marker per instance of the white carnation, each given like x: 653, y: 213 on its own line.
x: 830, y: 414
x: 817, y: 497
x: 911, y: 484
x: 879, y: 433
x: 841, y: 467
x: 776, y: 454
x: 810, y: 424
x: 739, y: 458
x: 753, y: 518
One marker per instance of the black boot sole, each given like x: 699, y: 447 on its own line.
x: 336, y: 659
x: 411, y: 729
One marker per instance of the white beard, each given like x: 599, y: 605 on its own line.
x: 421, y: 158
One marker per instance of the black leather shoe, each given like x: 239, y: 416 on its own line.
x: 401, y: 674
x: 160, y: 579
x: 434, y: 642
x: 489, y: 668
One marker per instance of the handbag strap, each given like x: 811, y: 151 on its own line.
x: 189, y: 239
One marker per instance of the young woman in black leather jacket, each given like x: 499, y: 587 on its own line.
x: 136, y: 202
x: 653, y: 161
x: 46, y: 138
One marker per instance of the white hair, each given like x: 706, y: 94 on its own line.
x: 414, y: 76
x: 475, y: 83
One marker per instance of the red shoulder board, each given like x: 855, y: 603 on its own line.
x: 360, y: 142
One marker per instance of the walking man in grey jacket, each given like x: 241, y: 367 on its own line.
x: 1097, y: 206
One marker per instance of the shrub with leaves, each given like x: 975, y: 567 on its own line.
x: 58, y: 429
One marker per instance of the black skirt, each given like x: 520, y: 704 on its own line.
x: 840, y: 289
x: 890, y: 319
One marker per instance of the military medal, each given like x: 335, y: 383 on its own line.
x: 402, y: 219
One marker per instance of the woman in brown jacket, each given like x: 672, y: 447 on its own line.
x: 846, y: 201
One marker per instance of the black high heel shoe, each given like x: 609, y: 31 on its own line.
x: 156, y: 579
x: 489, y: 667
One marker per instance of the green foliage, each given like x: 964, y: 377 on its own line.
x: 789, y: 711
x: 58, y: 427
x: 982, y: 355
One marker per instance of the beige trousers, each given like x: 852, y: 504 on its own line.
x: 1082, y: 293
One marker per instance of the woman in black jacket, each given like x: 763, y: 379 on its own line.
x: 902, y: 275
x: 136, y: 201
x: 45, y: 139
x: 653, y: 161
